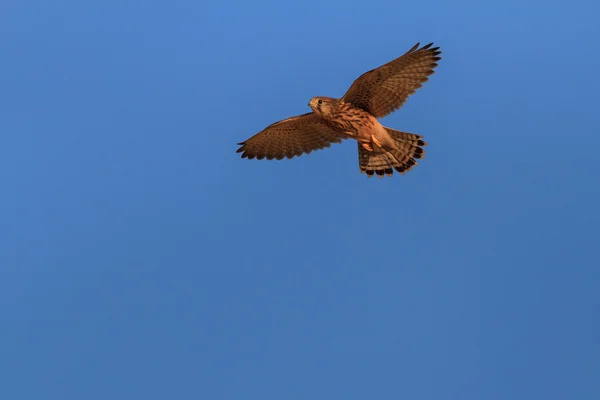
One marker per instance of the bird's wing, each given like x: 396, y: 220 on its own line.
x: 289, y: 138
x: 386, y: 88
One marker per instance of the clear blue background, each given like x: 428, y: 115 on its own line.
x: 140, y: 257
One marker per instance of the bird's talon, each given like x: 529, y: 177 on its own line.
x: 376, y: 141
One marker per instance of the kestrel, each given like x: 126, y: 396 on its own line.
x: 375, y: 94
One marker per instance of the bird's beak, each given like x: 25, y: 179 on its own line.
x: 310, y: 102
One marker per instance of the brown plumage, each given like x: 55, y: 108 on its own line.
x: 373, y: 95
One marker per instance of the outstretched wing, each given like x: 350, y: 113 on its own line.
x: 289, y: 138
x: 385, y: 89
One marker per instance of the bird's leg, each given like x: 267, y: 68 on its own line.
x: 376, y: 141
x: 367, y: 146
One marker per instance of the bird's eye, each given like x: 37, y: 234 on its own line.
x: 320, y: 101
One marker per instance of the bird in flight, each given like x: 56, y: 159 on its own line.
x: 374, y: 94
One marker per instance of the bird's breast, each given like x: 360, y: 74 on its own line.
x: 353, y: 121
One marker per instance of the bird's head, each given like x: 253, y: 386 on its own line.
x: 323, y: 106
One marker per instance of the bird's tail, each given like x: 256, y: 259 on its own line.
x: 402, y: 158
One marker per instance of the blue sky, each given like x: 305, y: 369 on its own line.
x: 140, y: 257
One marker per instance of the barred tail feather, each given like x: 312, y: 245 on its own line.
x: 402, y: 158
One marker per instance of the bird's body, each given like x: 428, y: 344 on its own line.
x: 376, y: 93
x: 353, y: 122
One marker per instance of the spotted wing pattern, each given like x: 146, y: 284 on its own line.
x: 289, y: 138
x: 386, y: 88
